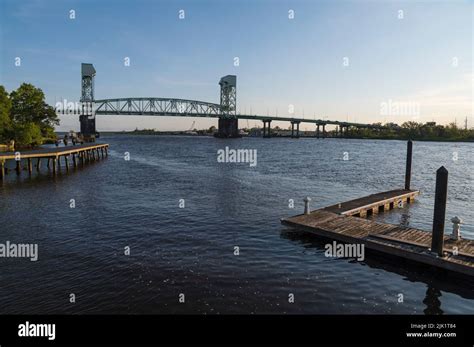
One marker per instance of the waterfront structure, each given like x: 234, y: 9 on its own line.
x: 52, y: 156
x: 226, y: 111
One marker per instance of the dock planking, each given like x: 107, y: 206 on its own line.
x: 342, y: 222
x: 375, y: 203
x: 80, y: 154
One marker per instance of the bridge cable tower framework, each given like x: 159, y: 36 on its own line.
x: 87, y: 116
x: 228, y: 122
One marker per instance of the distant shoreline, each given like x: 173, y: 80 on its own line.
x: 203, y: 134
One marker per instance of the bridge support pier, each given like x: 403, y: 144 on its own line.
x: 293, y: 135
x: 88, y: 130
x: 324, y: 131
x: 267, y: 128
x: 317, y: 131
x: 228, y: 128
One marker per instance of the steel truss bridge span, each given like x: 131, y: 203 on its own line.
x: 170, y: 107
x: 157, y: 107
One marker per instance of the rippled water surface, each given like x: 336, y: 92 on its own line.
x: 190, y: 250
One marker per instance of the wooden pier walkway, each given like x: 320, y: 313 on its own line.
x: 342, y: 223
x: 375, y: 203
x: 79, y: 154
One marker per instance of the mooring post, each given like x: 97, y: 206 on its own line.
x: 408, y: 166
x: 306, y: 205
x: 456, y: 235
x: 437, y: 241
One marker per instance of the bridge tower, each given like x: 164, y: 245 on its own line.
x: 228, y: 123
x: 87, y: 116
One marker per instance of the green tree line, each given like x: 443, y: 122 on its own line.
x: 25, y: 117
x: 415, y: 131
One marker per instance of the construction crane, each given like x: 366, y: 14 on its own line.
x: 191, y: 130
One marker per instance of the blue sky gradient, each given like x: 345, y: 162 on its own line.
x: 282, y: 61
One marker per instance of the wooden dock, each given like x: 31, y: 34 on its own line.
x: 52, y: 156
x: 375, y: 203
x: 345, y: 223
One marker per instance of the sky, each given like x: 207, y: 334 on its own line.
x: 358, y: 61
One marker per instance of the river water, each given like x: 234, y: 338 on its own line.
x: 182, y: 213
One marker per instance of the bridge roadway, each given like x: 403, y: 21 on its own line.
x: 165, y: 107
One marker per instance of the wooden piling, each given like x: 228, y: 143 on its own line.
x: 54, y: 165
x: 441, y: 194
x: 74, y: 160
x: 2, y: 170
x: 408, y: 165
x: 67, y: 162
x: 30, y: 166
x: 18, y: 167
x: 38, y: 164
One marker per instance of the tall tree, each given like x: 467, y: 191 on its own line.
x: 29, y: 106
x: 5, y: 120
